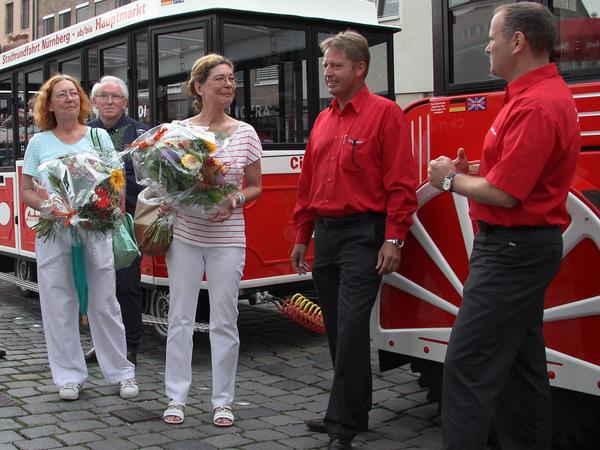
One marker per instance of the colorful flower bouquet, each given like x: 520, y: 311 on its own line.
x: 82, y: 191
x: 183, y: 168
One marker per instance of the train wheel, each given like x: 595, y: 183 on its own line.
x: 26, y: 270
x: 159, y: 307
x: 418, y: 304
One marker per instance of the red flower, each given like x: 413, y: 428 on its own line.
x: 103, y: 201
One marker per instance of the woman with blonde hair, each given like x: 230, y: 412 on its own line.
x: 61, y: 109
x: 213, y: 246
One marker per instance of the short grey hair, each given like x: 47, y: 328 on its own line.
x: 110, y: 79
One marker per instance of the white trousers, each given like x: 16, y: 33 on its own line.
x: 60, y: 311
x: 223, y: 267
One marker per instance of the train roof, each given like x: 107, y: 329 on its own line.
x: 360, y: 12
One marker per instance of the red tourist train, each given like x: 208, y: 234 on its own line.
x: 417, y: 306
x: 152, y: 45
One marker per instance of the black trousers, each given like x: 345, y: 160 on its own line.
x: 347, y: 284
x: 129, y: 296
x: 495, y: 368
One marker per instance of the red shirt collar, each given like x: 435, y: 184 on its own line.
x: 357, y: 101
x: 524, y: 82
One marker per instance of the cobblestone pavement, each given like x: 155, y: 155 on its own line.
x: 283, y: 379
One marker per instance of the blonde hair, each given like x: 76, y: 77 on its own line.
x: 43, y: 117
x: 354, y: 44
x: 200, y: 71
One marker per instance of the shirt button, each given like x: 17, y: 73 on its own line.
x: 333, y: 158
x: 328, y: 179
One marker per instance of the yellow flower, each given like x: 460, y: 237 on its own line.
x: 117, y: 179
x: 189, y: 161
x: 211, y: 146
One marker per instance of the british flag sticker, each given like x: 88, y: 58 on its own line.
x: 476, y: 103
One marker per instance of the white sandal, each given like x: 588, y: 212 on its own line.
x: 175, y: 409
x: 223, y: 412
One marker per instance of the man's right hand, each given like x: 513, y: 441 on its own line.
x: 298, y: 262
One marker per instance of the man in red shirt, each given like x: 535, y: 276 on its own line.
x: 357, y: 194
x: 495, y: 367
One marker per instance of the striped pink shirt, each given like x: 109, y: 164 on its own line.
x: 243, y: 148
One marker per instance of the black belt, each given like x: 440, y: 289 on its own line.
x: 487, y: 228
x: 343, y: 221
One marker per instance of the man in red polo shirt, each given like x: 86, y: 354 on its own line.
x: 495, y: 367
x: 357, y: 193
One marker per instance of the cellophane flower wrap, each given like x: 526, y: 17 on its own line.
x: 84, y: 191
x: 182, y: 167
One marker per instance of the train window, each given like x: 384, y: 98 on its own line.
x: 577, y: 51
x: 143, y: 98
x: 377, y: 79
x: 271, y: 67
x: 19, y: 114
x: 71, y: 67
x: 177, y: 52
x: 578, y: 24
x: 470, y: 24
x: 114, y: 61
x: 33, y: 82
x: 28, y: 85
x: 93, y: 67
x: 6, y: 138
x: 52, y: 66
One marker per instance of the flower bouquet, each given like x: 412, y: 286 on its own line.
x: 81, y: 194
x: 79, y: 190
x: 183, y: 168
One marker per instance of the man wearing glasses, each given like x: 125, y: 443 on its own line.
x: 109, y: 99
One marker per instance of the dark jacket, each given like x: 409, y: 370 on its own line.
x: 129, y: 129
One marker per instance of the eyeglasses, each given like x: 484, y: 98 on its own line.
x: 222, y: 79
x: 105, y: 97
x: 62, y: 96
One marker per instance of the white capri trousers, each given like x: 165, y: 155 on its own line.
x: 60, y: 311
x: 223, y: 267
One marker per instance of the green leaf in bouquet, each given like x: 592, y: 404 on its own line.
x: 117, y: 137
x: 44, y: 228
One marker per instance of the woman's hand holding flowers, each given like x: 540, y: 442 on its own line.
x: 224, y: 209
x: 163, y: 210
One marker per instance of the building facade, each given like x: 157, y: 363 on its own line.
x: 413, y: 47
x: 15, y: 23
x: 55, y: 15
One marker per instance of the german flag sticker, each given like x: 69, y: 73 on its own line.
x: 457, y: 105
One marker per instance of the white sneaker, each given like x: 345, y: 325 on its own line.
x: 69, y: 391
x: 129, y: 388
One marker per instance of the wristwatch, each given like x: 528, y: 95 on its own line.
x: 396, y: 242
x: 447, y: 181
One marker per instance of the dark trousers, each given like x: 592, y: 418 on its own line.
x: 347, y: 285
x: 495, y: 367
x: 129, y: 296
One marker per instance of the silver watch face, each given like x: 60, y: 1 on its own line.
x: 447, y: 184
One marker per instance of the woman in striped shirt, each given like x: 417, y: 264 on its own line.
x: 211, y: 245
